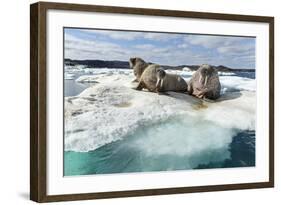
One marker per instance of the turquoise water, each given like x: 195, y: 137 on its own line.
x: 175, y: 144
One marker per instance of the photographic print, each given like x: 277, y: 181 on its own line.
x: 142, y: 101
x: 129, y: 102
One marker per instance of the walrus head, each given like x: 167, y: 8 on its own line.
x: 160, y: 75
x: 138, y: 65
x: 205, y: 72
x: 136, y: 62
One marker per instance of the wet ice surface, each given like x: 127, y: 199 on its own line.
x: 111, y: 128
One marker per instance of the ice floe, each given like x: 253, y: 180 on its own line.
x: 69, y: 76
x: 111, y: 110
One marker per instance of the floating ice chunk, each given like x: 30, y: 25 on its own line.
x: 236, y: 83
x: 110, y: 71
x: 88, y: 70
x: 187, y: 69
x: 69, y: 76
x: 86, y: 79
x: 80, y: 67
x: 226, y: 73
x: 68, y: 67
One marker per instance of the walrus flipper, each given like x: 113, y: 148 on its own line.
x: 140, y: 86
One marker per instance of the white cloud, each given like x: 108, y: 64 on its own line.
x: 183, y: 45
x: 238, y: 48
x: 121, y: 35
x: 144, y: 46
x: 76, y: 48
x: 211, y: 41
x: 228, y: 48
x: 160, y: 36
x: 131, y: 35
x: 124, y: 35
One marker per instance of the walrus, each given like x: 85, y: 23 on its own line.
x: 138, y: 65
x: 169, y: 82
x: 205, y: 83
x: 155, y: 79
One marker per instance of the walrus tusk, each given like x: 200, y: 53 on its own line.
x: 206, y: 80
x: 161, y: 85
x: 157, y: 83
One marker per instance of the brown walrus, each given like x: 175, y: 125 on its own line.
x: 169, y: 82
x: 154, y: 78
x: 138, y: 65
x: 205, y: 83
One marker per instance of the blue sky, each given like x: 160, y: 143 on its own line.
x: 161, y: 48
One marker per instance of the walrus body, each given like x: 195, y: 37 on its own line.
x: 153, y: 78
x: 170, y: 82
x: 148, y: 78
x: 205, y: 83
